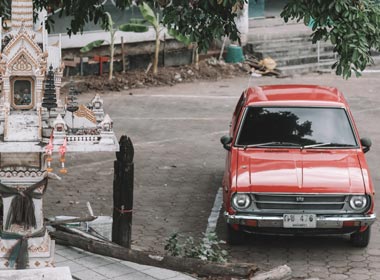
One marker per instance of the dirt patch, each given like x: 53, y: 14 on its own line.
x: 210, y: 69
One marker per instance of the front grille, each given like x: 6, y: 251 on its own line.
x: 300, y: 202
x: 300, y: 206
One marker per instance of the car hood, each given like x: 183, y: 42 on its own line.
x: 306, y: 171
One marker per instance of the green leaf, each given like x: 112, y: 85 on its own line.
x: 92, y: 45
x: 306, y: 20
x: 180, y: 37
x: 149, y: 15
x: 357, y: 73
x: 108, y: 24
x: 355, y: 55
x: 133, y: 27
x: 338, y: 8
x: 339, y: 70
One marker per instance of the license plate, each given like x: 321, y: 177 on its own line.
x: 300, y: 221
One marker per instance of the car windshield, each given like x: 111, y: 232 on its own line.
x: 306, y: 127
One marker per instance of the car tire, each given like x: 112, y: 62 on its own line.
x: 361, y: 239
x: 234, y: 237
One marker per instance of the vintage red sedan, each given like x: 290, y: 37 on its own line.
x: 295, y: 165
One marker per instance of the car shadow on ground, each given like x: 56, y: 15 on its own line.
x: 263, y: 243
x: 297, y: 241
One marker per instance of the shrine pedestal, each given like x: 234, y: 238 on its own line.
x: 40, y: 252
x: 40, y: 247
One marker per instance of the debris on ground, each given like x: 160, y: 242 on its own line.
x: 282, y: 272
x: 209, y: 69
x: 266, y: 66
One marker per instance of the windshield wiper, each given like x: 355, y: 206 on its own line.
x: 316, y: 145
x: 272, y: 144
x: 328, y: 144
x: 342, y: 145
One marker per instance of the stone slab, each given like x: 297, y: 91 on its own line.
x: 58, y: 273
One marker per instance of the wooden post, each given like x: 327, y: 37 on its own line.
x: 81, y: 65
x: 123, y: 193
x: 163, y: 51
x: 122, y: 53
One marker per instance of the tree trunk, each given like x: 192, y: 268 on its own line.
x: 156, y: 53
x: 123, y: 53
x: 112, y: 51
x: 187, y: 265
x: 196, y: 56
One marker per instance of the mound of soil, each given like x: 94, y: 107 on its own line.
x: 210, y: 69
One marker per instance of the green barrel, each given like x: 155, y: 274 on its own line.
x: 234, y: 54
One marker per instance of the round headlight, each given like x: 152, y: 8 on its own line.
x: 241, y: 201
x: 358, y: 202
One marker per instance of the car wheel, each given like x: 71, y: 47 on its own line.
x: 361, y: 239
x: 234, y: 237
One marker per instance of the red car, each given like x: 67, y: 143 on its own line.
x: 295, y: 165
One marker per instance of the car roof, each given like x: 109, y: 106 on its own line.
x: 312, y: 95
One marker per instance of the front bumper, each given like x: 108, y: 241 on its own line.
x: 323, y: 221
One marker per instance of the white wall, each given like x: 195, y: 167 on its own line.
x: 80, y: 40
x: 242, y: 24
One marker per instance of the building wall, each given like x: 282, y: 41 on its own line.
x: 265, y: 8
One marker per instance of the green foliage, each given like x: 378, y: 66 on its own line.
x: 149, y: 15
x: 91, y: 46
x: 81, y: 12
x: 109, y: 25
x: 133, y: 27
x: 179, y: 37
x: 206, y: 249
x: 352, y: 26
x: 203, y: 21
x: 209, y: 18
x: 5, y: 10
x: 172, y: 245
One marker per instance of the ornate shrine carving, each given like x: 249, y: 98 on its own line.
x: 22, y: 64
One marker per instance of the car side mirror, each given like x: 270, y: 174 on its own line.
x: 366, y: 143
x: 226, y: 140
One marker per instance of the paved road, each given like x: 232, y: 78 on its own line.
x: 179, y: 164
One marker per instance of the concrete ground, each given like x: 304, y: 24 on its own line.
x: 179, y: 163
x: 87, y: 266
